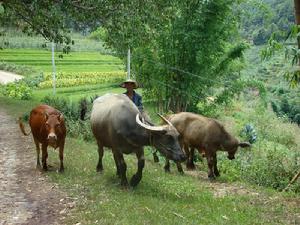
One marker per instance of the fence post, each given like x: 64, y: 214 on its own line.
x: 128, y: 64
x: 53, y: 70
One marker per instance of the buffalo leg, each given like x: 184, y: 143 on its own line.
x: 117, y: 165
x: 155, y: 157
x: 100, y: 153
x: 179, y: 167
x: 167, y: 166
x: 37, y: 145
x: 61, y: 157
x: 136, y: 178
x: 190, y: 161
x: 122, y: 167
x: 210, y: 163
x: 44, y: 157
x: 216, y: 171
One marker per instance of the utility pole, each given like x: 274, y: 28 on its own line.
x: 128, y: 64
x: 53, y: 69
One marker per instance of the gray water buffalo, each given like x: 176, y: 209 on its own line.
x: 116, y: 124
x: 207, y: 135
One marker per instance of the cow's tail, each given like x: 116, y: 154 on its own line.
x: 22, y: 127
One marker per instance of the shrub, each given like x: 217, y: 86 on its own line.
x: 19, y: 69
x: 75, y: 79
x: 68, y: 108
x: 273, y: 159
x: 17, y: 90
x: 34, y: 81
x: 297, y: 118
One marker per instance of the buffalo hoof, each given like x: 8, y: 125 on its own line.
x: 190, y: 166
x: 167, y: 169
x: 211, y: 177
x: 61, y: 170
x: 180, y: 170
x: 124, y: 183
x: 45, y: 168
x: 155, y: 158
x: 99, y: 169
x: 135, y: 180
x: 217, y: 173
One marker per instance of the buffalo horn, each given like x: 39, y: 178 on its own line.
x: 167, y: 121
x: 151, y: 128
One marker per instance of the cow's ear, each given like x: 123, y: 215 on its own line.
x: 60, y: 117
x: 46, y: 115
x: 244, y: 144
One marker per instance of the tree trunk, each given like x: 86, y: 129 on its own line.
x: 297, y: 16
x: 297, y: 11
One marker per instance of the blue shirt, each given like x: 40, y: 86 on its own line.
x: 137, y: 100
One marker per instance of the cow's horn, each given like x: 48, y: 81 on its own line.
x: 151, y: 128
x: 167, y: 121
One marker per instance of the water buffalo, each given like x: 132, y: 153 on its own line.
x: 207, y: 135
x: 48, y: 128
x: 116, y: 124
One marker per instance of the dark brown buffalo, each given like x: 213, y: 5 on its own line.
x: 207, y: 135
x: 48, y: 128
x: 117, y: 124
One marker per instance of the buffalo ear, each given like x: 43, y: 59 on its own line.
x: 244, y: 144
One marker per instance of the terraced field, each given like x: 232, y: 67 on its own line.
x: 72, y: 62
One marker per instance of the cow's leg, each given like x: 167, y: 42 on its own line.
x: 136, y: 178
x: 216, y: 171
x: 61, y: 156
x: 121, y: 166
x: 37, y: 145
x: 44, y: 156
x: 167, y: 166
x: 190, y: 161
x: 210, y: 163
x: 100, y: 153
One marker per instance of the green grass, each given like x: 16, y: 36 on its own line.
x: 160, y: 198
x: 72, y: 62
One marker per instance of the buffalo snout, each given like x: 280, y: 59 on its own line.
x: 178, y: 156
x: 182, y: 157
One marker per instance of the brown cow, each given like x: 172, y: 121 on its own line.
x: 206, y: 135
x: 48, y: 128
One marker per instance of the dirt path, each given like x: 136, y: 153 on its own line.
x: 7, y: 77
x: 26, y: 195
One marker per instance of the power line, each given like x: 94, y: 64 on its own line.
x: 175, y: 69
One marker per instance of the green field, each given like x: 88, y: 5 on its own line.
x: 72, y: 62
